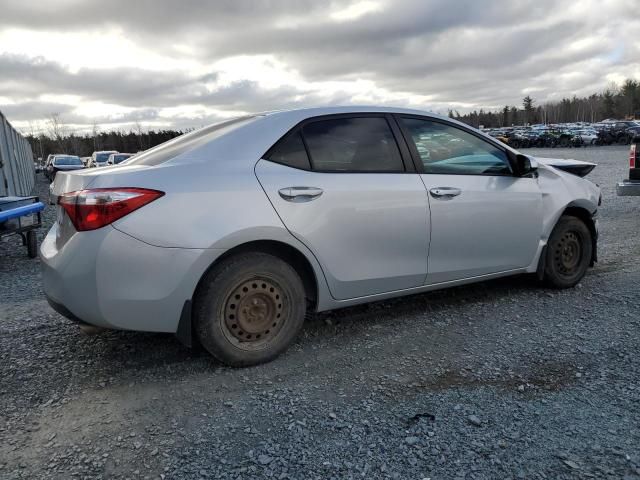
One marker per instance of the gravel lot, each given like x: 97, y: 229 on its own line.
x: 499, y: 380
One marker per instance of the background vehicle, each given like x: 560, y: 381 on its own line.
x: 275, y: 214
x: 631, y: 186
x: 63, y: 163
x: 116, y: 158
x: 99, y: 159
x: 588, y: 136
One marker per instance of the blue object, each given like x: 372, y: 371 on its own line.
x: 21, y: 211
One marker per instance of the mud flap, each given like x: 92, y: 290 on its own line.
x: 542, y: 263
x: 184, y: 332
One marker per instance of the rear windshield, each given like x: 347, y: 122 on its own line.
x: 120, y: 158
x: 176, y: 146
x: 68, y: 161
x: 102, y: 157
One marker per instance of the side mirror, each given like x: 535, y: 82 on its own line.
x: 525, y: 165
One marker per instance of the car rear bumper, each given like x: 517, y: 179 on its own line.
x: 109, y: 279
x: 628, y: 188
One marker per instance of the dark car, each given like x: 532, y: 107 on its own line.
x: 64, y: 163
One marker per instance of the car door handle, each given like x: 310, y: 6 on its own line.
x: 300, y: 194
x: 445, y: 193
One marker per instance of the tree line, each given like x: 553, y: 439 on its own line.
x: 614, y: 102
x: 58, y: 138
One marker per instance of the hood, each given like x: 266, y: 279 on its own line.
x: 576, y: 167
x: 68, y: 167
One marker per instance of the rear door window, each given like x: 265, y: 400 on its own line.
x: 352, y: 144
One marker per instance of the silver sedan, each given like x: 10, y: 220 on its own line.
x: 228, y: 235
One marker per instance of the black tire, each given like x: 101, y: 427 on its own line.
x: 32, y: 244
x: 249, y: 308
x: 569, y: 252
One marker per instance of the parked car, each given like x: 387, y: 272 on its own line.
x: 619, y: 131
x: 588, y: 136
x: 63, y: 163
x: 631, y: 186
x: 48, y: 161
x: 228, y: 235
x: 99, y: 159
x: 116, y: 158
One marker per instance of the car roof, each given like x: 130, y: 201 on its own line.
x: 319, y: 111
x: 249, y: 139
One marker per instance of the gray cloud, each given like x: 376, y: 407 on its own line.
x: 483, y: 54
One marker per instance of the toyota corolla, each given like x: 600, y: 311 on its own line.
x: 230, y: 234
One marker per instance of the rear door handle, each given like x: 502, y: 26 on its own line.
x: 300, y: 194
x: 445, y: 193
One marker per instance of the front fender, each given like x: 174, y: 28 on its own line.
x: 561, y: 191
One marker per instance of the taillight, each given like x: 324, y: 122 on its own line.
x: 97, y: 207
x: 632, y: 156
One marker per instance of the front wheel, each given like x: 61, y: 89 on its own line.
x: 249, y: 309
x: 569, y: 252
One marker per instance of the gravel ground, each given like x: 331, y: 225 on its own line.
x: 499, y: 380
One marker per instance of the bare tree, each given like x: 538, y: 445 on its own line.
x: 95, y: 133
x: 57, y: 130
x: 140, y: 136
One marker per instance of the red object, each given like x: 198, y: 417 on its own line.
x: 632, y: 156
x: 94, y: 208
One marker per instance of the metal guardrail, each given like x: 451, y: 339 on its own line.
x: 17, y: 171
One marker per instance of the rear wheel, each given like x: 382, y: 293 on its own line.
x: 568, y: 253
x: 249, y: 309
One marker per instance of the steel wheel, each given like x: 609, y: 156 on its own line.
x: 569, y: 252
x: 253, y: 313
x: 249, y: 308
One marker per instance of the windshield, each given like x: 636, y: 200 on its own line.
x: 67, y: 161
x: 102, y: 157
x: 171, y: 149
x: 119, y: 158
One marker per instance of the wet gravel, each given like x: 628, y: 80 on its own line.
x: 499, y: 380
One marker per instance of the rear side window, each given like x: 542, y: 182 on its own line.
x: 364, y: 144
x: 290, y: 151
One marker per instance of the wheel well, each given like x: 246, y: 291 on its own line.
x: 283, y: 251
x: 587, y: 218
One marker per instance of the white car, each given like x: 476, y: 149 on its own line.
x: 118, y: 158
x: 588, y: 136
x: 99, y: 159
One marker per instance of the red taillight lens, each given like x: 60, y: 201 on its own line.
x: 95, y: 208
x: 632, y: 156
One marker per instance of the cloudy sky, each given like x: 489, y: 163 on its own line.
x: 160, y: 63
